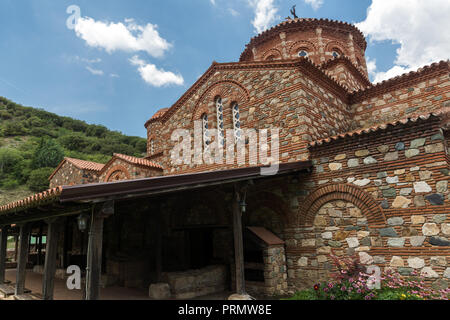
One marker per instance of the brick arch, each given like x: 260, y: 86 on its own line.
x: 200, y: 111
x: 115, y: 169
x: 271, y: 201
x: 294, y: 47
x: 240, y: 94
x: 346, y: 192
x: 335, y: 44
x: 272, y: 52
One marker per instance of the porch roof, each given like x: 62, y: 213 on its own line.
x: 50, y: 202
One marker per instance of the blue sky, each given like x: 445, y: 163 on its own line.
x: 120, y: 79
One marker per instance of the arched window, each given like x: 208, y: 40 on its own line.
x: 303, y: 53
x: 206, y: 137
x: 236, y: 123
x: 336, y: 53
x: 219, y: 107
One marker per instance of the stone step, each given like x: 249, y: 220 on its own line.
x: 26, y: 297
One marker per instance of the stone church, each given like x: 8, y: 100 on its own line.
x: 363, y: 171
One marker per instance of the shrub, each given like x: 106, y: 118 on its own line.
x: 38, y: 180
x: 10, y: 184
x: 350, y: 282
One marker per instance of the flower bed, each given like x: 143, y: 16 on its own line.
x: 352, y: 282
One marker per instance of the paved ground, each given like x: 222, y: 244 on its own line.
x: 33, y: 281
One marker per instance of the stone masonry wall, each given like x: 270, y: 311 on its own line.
x: 423, y: 96
x: 69, y: 174
x: 128, y: 171
x: 384, y: 196
x: 283, y: 98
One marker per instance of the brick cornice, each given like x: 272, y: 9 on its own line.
x: 304, y: 24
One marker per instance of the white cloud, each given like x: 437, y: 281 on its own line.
x: 154, y: 76
x: 114, y: 75
x: 419, y: 27
x: 95, y: 72
x: 129, y: 37
x: 213, y: 2
x: 315, y: 4
x: 265, y: 14
x: 233, y: 12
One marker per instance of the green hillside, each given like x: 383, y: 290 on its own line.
x: 34, y: 141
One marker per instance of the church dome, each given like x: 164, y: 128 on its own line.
x: 320, y: 40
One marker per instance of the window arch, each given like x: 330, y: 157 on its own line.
x: 220, y: 127
x: 206, y: 137
x: 236, y: 122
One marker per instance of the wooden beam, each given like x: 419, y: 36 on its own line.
x: 53, y: 230
x: 24, y: 240
x: 3, y: 253
x: 94, y: 256
x: 238, y: 242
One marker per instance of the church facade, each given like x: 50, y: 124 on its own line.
x: 379, y: 153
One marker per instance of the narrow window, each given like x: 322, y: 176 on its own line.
x: 206, y: 137
x: 152, y: 147
x: 219, y: 107
x: 237, y: 123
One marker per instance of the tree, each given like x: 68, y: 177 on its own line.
x: 47, y: 154
x: 9, y: 159
x: 38, y: 180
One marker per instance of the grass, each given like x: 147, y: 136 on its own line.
x: 8, y: 196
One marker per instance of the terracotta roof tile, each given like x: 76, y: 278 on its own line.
x: 48, y: 195
x: 138, y: 161
x: 444, y: 112
x: 85, y: 165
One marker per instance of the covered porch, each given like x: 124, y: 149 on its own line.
x: 178, y: 236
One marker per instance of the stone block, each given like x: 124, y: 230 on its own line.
x: 159, y: 291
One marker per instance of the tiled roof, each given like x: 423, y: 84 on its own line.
x: 80, y: 164
x: 401, y: 81
x: 345, y: 60
x: 443, y: 112
x: 45, y: 196
x: 138, y: 161
x: 159, y: 114
x: 85, y: 165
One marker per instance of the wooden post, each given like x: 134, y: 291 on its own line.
x: 39, y: 246
x: 159, y: 248
x: 24, y: 241
x: 16, y: 246
x: 48, y: 279
x: 94, y: 256
x: 3, y: 252
x: 238, y: 243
